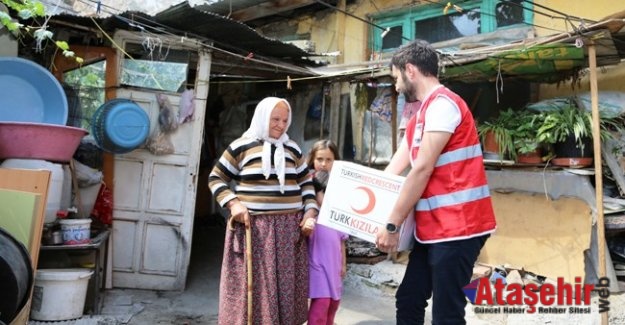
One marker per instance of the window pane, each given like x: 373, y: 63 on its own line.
x: 393, y: 38
x: 168, y: 76
x: 509, y: 13
x: 155, y: 66
x: 447, y: 27
x: 85, y: 93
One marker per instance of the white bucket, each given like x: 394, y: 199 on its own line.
x: 55, y: 190
x: 76, y: 231
x: 59, y: 294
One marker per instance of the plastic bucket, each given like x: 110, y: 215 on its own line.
x: 120, y: 126
x: 59, y: 294
x: 55, y: 190
x: 76, y: 231
x: 16, y: 273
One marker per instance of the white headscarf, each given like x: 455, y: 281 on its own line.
x: 259, y: 129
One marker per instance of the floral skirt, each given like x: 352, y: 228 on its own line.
x: 279, y: 272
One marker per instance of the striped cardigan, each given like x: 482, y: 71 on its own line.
x: 241, y: 164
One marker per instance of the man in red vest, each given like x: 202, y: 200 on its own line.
x: 446, y: 191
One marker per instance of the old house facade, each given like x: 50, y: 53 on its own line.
x: 330, y: 59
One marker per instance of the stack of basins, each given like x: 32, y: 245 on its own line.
x: 33, y: 135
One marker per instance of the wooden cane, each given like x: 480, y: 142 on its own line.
x: 248, y: 253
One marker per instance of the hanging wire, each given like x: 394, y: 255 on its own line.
x: 498, y: 80
x: 552, y: 10
x: 163, y: 29
x: 355, y: 17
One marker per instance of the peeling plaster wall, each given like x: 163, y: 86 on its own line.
x: 544, y: 236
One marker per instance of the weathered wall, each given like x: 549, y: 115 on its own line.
x: 332, y: 31
x: 609, y: 78
x: 321, y: 28
x: 593, y: 10
x: 547, y: 239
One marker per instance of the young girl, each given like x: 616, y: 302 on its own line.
x: 326, y: 246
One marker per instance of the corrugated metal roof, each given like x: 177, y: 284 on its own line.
x: 227, y: 32
x: 191, y: 17
x: 224, y: 33
x: 223, y: 7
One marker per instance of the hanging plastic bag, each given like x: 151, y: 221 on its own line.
x: 167, y: 117
x: 161, y: 144
x: 187, y: 106
x: 103, y: 207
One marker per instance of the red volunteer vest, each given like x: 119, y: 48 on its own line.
x: 456, y: 202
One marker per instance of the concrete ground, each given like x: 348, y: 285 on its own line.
x: 367, y: 299
x: 198, y: 304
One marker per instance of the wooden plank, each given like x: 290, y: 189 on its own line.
x: 34, y: 181
x: 594, y: 98
x: 18, y: 214
x: 607, y: 147
x: 23, y: 316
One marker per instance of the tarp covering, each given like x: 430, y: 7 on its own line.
x: 540, y: 62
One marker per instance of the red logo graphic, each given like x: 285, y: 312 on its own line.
x: 367, y: 208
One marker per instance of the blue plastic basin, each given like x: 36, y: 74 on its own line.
x: 120, y: 126
x: 30, y: 93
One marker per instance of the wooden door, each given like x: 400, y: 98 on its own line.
x: 155, y: 198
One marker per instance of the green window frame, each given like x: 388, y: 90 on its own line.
x: 406, y: 19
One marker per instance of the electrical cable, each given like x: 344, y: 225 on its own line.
x: 355, y: 17
x: 444, y: 56
x: 553, y: 10
x: 167, y: 31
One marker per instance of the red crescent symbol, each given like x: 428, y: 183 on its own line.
x: 370, y: 203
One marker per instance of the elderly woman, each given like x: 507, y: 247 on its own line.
x: 273, y: 195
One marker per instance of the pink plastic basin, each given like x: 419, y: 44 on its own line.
x: 39, y: 141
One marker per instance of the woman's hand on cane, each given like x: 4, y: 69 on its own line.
x: 239, y: 212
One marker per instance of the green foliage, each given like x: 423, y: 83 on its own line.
x: 25, y: 9
x: 502, y: 128
x: 524, y: 131
x: 362, y: 97
x: 88, y: 81
x: 525, y: 134
x: 12, y: 25
x: 28, y: 9
x: 570, y: 120
x: 515, y: 131
x: 559, y: 124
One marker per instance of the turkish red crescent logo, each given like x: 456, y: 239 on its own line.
x: 370, y: 204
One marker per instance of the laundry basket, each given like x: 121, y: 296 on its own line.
x: 120, y: 126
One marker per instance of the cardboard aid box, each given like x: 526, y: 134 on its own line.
x: 358, y: 201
